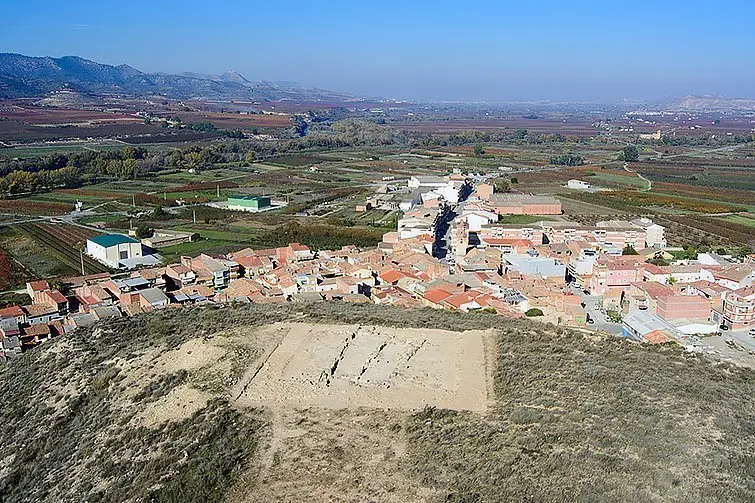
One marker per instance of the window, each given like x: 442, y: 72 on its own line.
x: 124, y: 254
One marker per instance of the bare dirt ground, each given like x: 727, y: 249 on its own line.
x: 337, y: 398
x: 354, y: 366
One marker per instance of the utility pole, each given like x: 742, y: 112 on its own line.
x: 165, y: 195
x: 218, y: 189
x: 133, y: 200
x: 81, y: 255
x: 194, y: 213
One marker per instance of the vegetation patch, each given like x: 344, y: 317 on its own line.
x: 601, y: 420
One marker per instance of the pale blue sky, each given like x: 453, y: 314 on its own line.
x: 474, y: 50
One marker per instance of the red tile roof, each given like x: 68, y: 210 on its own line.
x: 437, y: 295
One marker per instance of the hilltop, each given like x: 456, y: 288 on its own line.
x: 202, y: 404
x: 712, y: 103
x: 25, y: 76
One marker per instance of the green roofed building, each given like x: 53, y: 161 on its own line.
x: 249, y: 203
x: 112, y: 249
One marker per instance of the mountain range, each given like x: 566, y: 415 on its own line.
x: 27, y: 77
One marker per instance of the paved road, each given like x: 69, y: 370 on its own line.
x: 592, y: 307
x: 717, y: 348
x: 741, y: 337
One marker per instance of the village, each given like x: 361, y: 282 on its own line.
x: 451, y: 251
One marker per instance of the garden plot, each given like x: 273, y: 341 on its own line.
x: 365, y: 366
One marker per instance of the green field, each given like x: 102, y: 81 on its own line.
x: 625, y: 181
x: 741, y: 219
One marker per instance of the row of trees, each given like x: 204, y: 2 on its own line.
x: 567, y: 160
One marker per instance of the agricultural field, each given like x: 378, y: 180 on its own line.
x: 745, y: 220
x: 65, y: 243
x: 36, y: 258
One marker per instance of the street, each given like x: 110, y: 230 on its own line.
x: 592, y: 307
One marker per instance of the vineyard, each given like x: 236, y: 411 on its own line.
x: 11, y: 274
x: 26, y: 207
x: 724, y: 194
x: 629, y: 200
x: 733, y: 232
x: 65, y: 242
x: 194, y: 187
x: 705, y: 175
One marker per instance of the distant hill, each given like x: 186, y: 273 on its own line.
x: 25, y: 76
x: 703, y: 103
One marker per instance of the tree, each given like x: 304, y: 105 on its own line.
x: 144, y: 231
x: 629, y: 154
x: 514, y: 180
x: 160, y: 214
x: 478, y: 150
x: 690, y: 253
x: 534, y: 312
x: 567, y: 160
x: 502, y: 185
x: 629, y: 250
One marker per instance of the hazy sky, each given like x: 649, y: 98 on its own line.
x: 461, y: 50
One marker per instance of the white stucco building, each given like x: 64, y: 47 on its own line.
x: 113, y: 249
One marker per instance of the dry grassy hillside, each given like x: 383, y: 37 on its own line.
x: 335, y: 402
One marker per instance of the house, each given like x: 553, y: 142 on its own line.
x: 154, y: 276
x: 180, y: 275
x: 153, y: 298
x: 648, y: 327
x: 113, y: 249
x: 35, y: 334
x: 54, y: 299
x: 655, y: 235
x: 347, y: 285
x: 529, y: 265
x: 209, y: 271
x: 242, y: 289
x: 611, y: 273
x: 525, y: 204
x: 434, y: 297
x: 92, y: 296
x: 32, y: 287
x: 10, y: 342
x: 739, y: 308
x: 577, y: 185
x: 14, y: 313
x: 38, y: 314
x: 734, y: 276
x: 484, y: 191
